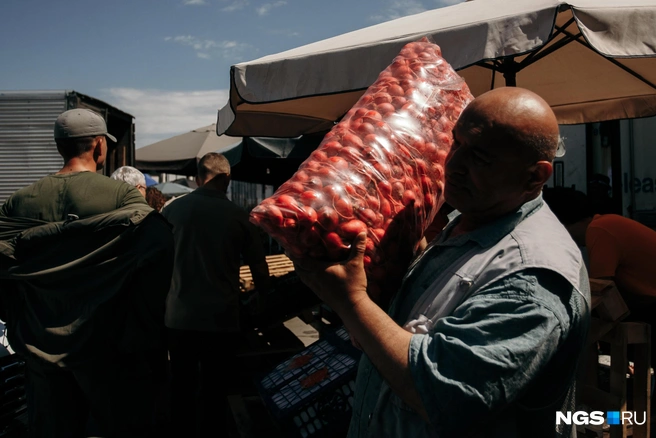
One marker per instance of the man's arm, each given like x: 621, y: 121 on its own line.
x: 261, y: 278
x: 603, y: 253
x: 132, y: 196
x: 343, y: 287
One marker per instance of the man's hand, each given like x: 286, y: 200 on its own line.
x: 340, y: 285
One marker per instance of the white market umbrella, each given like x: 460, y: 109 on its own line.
x: 592, y: 60
x: 179, y: 154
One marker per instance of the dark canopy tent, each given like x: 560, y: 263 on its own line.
x: 260, y: 160
x: 270, y: 161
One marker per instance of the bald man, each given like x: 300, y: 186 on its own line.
x: 484, y: 336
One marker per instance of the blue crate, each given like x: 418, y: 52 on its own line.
x: 324, y: 408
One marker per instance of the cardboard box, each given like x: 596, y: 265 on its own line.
x: 607, y: 303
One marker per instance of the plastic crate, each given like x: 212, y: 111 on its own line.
x: 313, y: 408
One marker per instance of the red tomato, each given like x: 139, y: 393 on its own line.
x: 365, y: 128
x: 310, y: 214
x: 352, y: 153
x: 367, y: 216
x: 408, y: 197
x: 287, y: 202
x: 310, y: 197
x: 314, y: 183
x: 385, y: 208
x: 295, y: 187
x: 275, y: 215
x: 344, y: 208
x: 385, y: 188
x: 339, y: 163
x: 395, y: 90
x: 352, y: 228
x: 386, y: 108
x: 327, y: 218
x: 397, y: 191
x: 333, y: 192
x: 330, y: 149
x: 373, y: 202
x: 333, y: 242
x: 398, y: 102
x: 381, y: 98
x: 351, y: 140
x: 312, y: 165
x: 373, y: 115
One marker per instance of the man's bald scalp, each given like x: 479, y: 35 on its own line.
x: 524, y: 117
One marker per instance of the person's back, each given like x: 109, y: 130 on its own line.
x: 211, y: 233
x: 623, y: 250
x: 83, y: 194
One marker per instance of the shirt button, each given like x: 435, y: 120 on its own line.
x: 370, y: 415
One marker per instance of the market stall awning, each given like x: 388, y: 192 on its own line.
x: 592, y: 60
x: 178, y: 155
x: 258, y: 160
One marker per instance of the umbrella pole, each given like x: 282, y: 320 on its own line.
x: 509, y: 69
x: 511, y: 79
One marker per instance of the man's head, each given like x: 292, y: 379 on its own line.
x: 214, y: 170
x: 572, y: 208
x: 131, y: 176
x: 82, y: 132
x: 504, y: 143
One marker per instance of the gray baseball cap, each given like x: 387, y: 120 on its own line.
x: 81, y: 122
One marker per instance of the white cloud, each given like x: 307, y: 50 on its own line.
x: 207, y: 49
x: 266, y: 8
x: 392, y: 9
x: 284, y: 32
x: 235, y: 5
x: 195, y: 2
x: 442, y: 3
x: 161, y: 114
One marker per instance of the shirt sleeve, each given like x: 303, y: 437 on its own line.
x: 132, y: 196
x: 603, y: 252
x: 479, y: 359
x: 5, y: 209
x: 252, y: 249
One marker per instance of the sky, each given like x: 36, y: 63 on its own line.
x: 166, y: 62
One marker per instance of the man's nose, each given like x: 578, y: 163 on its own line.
x: 453, y: 163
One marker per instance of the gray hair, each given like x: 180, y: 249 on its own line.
x: 129, y: 175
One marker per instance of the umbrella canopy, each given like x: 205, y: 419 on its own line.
x: 150, y: 181
x: 592, y: 60
x: 179, y: 154
x: 173, y: 189
x: 257, y: 160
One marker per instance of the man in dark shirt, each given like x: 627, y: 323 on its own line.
x: 202, y: 308
x: 84, y: 270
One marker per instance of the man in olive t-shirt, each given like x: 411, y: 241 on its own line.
x: 111, y: 387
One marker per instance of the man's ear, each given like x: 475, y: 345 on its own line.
x: 96, y: 148
x: 539, y: 174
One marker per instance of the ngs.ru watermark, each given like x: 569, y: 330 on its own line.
x: 596, y: 418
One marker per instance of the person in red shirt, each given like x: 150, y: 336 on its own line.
x: 619, y: 249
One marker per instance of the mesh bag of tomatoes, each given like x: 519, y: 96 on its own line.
x: 380, y: 170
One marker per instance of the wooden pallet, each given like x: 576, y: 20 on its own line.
x: 279, y: 265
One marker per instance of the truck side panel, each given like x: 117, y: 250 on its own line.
x: 27, y: 148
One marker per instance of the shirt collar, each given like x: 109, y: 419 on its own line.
x: 204, y: 191
x: 491, y: 233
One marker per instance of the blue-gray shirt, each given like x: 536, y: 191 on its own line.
x: 502, y: 362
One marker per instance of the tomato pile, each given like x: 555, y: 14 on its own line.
x: 379, y: 170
